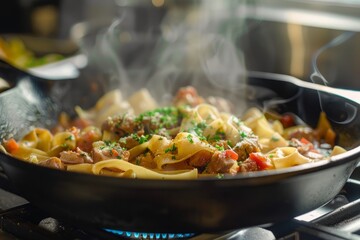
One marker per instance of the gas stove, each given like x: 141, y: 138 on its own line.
x: 338, y: 219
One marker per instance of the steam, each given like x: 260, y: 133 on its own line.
x: 110, y: 61
x: 193, y: 51
x: 317, y: 77
x: 195, y: 47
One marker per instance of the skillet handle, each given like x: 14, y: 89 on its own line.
x: 9, y: 75
x: 350, y: 94
x: 62, y: 70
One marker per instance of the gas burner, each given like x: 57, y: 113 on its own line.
x: 141, y: 235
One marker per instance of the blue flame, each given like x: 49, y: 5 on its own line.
x: 140, y: 235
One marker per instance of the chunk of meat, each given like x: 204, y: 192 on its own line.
x: 187, y: 96
x: 87, y: 137
x: 303, y: 132
x: 306, y: 148
x: 200, y: 159
x: 248, y: 166
x: 220, y: 143
x: 220, y: 163
x: 123, y: 125
x: 246, y: 146
x: 53, y: 162
x: 108, y: 150
x: 71, y: 157
x: 128, y: 142
x: 160, y: 121
x: 145, y: 160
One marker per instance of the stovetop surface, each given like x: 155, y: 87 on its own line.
x: 338, y: 219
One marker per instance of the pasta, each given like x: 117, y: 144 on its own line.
x: 191, y: 138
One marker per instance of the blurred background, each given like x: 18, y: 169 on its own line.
x: 314, y: 40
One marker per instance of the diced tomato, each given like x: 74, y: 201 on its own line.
x: 11, y: 145
x: 305, y: 141
x: 114, y: 153
x: 75, y: 131
x: 261, y: 161
x: 309, y: 144
x: 287, y: 121
x: 231, y: 154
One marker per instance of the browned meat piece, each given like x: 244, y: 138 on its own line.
x: 246, y: 146
x: 145, y: 160
x: 248, y: 166
x: 221, y: 143
x: 71, y: 157
x: 108, y: 150
x: 53, y: 162
x: 86, y: 138
x: 128, y: 142
x: 306, y: 149
x: 123, y: 125
x: 304, y: 132
x: 219, y: 163
x: 200, y: 159
x: 187, y: 96
x: 161, y: 121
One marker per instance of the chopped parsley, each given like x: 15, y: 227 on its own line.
x: 236, y: 121
x: 189, y: 138
x: 220, y: 175
x: 220, y: 148
x: 219, y: 135
x: 122, y: 140
x: 243, y: 134
x: 198, y: 129
x: 171, y: 149
x: 275, y: 138
x: 69, y: 138
x: 65, y: 145
x: 109, y: 144
x: 141, y: 139
x: 165, y: 117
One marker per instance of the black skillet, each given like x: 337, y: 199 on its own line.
x: 203, y: 205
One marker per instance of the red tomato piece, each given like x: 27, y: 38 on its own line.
x: 231, y: 154
x: 11, y: 145
x: 287, y: 121
x: 261, y: 161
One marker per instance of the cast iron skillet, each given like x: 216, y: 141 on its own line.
x: 203, y: 205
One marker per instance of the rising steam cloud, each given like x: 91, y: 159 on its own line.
x: 193, y: 47
x: 349, y: 111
